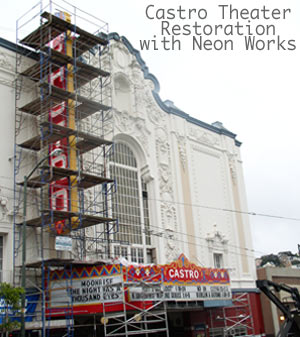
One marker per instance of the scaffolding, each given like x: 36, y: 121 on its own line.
x: 235, y: 320
x: 63, y: 107
x: 143, y: 318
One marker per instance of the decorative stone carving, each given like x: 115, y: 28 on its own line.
x: 232, y: 166
x: 172, y: 248
x: 210, y: 152
x: 162, y: 147
x: 121, y: 55
x: 216, y: 240
x: 165, y: 182
x: 156, y: 116
x: 137, y: 75
x: 203, y: 137
x: 136, y: 126
x: 4, y: 212
x: 182, y: 150
x: 144, y: 101
x: 8, y: 83
x: 169, y: 221
x: 146, y: 175
x: 168, y: 210
x: 146, y: 105
x: 168, y: 216
x: 7, y: 76
x: 163, y: 158
x: 5, y: 63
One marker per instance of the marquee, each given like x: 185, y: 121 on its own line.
x: 92, y: 286
x: 183, y: 280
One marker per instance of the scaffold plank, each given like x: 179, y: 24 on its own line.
x: 51, y: 216
x: 54, y: 27
x: 40, y: 36
x: 51, y: 134
x: 61, y: 262
x: 52, y: 96
x: 50, y: 174
x: 84, y: 41
x: 32, y: 143
x: 86, y: 142
x: 54, y: 132
x: 83, y: 72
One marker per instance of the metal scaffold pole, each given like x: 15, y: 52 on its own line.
x: 66, y: 194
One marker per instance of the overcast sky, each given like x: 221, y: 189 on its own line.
x: 254, y: 94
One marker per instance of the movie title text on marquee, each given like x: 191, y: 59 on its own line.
x: 185, y: 293
x: 86, y: 291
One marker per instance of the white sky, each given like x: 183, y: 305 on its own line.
x: 254, y: 94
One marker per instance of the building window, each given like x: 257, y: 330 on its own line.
x: 1, y: 258
x: 218, y: 260
x: 130, y: 206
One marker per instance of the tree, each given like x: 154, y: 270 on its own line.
x: 272, y: 259
x: 11, y: 298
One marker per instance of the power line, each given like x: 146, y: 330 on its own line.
x: 206, y: 207
x: 139, y: 225
x: 227, y: 210
x: 203, y: 206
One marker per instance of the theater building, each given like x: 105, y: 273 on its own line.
x: 126, y: 196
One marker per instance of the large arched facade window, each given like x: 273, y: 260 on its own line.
x: 133, y: 239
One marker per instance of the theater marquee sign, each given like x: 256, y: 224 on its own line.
x: 92, y: 286
x: 183, y: 280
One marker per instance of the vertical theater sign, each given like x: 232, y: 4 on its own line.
x: 63, y: 192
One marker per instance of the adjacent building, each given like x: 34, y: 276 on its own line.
x: 273, y: 317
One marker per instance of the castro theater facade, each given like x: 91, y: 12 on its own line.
x: 178, y: 258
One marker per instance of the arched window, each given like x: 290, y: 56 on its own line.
x: 131, y: 207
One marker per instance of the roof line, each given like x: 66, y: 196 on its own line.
x: 17, y: 48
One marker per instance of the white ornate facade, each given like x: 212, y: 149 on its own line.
x: 192, y: 171
x: 7, y: 76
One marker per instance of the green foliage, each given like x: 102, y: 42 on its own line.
x: 12, y: 297
x: 273, y: 259
x: 9, y: 325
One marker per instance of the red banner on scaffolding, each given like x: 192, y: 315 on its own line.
x: 89, y: 287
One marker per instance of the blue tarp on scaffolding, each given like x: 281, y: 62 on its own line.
x: 31, y: 304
